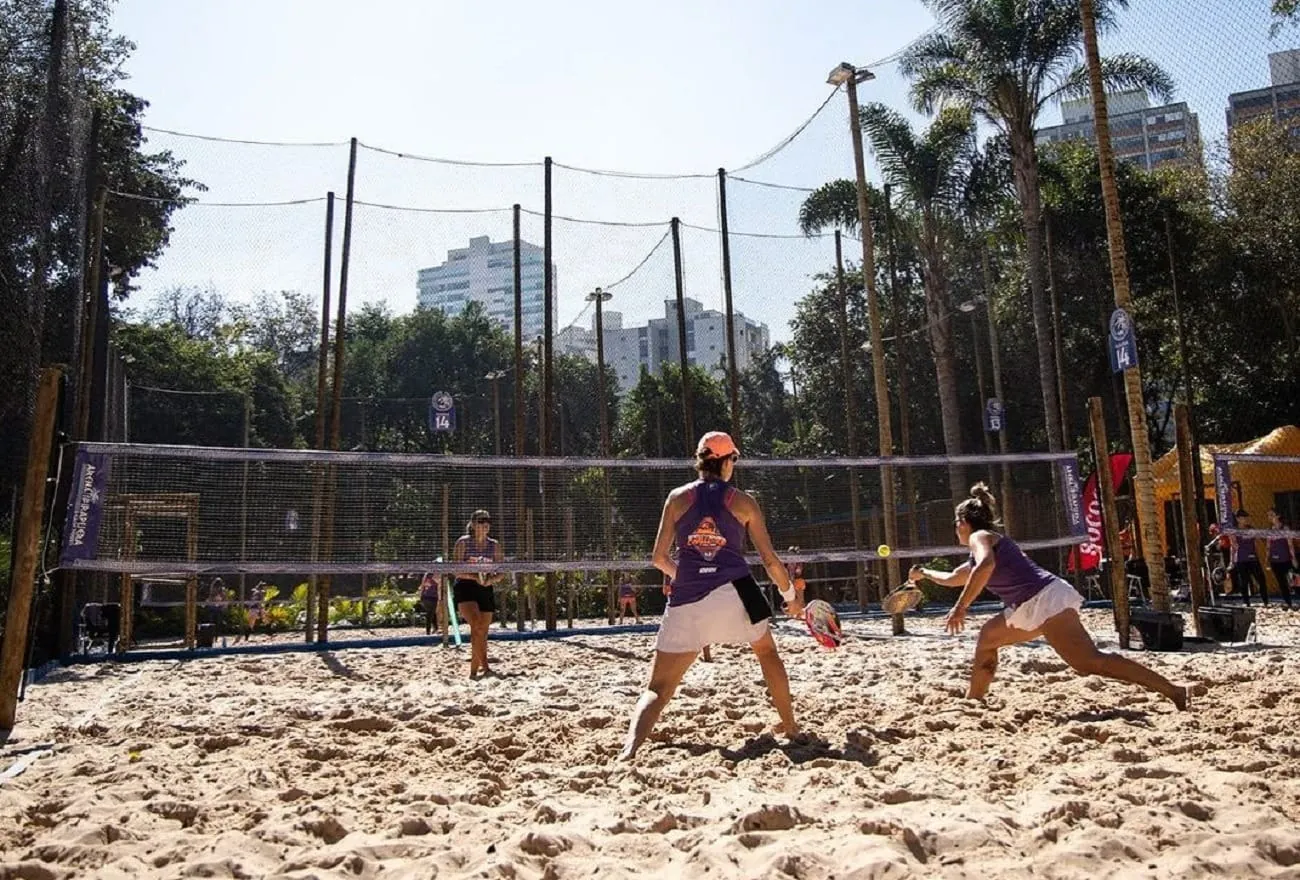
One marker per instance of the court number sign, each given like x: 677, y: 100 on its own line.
x: 442, y: 413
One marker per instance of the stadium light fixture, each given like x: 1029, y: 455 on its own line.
x: 845, y: 71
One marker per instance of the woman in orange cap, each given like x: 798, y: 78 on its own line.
x: 714, y: 598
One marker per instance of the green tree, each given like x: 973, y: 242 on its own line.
x: 765, y: 404
x: 1007, y: 60
x: 60, y: 66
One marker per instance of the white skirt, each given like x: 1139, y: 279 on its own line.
x: 717, y: 619
x: 1054, y: 598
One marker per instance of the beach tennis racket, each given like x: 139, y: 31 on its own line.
x: 823, y: 623
x: 902, y: 598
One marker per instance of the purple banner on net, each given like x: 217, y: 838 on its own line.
x: 1223, y: 492
x: 1073, y: 500
x: 85, y: 506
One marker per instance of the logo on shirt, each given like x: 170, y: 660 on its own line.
x: 707, y: 539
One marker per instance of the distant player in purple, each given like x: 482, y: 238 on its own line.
x: 1038, y: 604
x: 713, y: 598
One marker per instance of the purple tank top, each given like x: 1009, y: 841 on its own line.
x: 1279, y: 550
x: 1016, y: 578
x: 711, y: 542
x: 1245, y: 551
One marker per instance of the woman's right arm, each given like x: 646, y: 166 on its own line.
x: 955, y: 578
x: 776, y: 570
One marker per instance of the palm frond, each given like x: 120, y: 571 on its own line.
x: 1119, y: 73
x: 832, y: 205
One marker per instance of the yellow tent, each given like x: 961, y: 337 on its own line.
x: 1259, y: 483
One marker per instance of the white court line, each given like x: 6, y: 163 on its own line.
x: 113, y: 692
x: 22, y: 764
x: 18, y: 766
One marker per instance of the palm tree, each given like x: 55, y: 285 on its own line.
x: 1143, y: 480
x: 1007, y: 60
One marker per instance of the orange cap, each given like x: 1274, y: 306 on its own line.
x: 716, y: 444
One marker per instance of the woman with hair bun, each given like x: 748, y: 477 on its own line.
x: 1038, y: 603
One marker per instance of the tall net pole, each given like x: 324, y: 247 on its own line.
x: 336, y: 411
x: 733, y: 370
x: 688, y: 417
x: 548, y: 370
x: 322, y: 376
x: 1143, y: 479
x: 520, y: 406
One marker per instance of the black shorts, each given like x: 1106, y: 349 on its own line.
x: 751, y: 596
x: 464, y: 591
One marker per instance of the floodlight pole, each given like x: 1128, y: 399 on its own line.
x: 849, y: 76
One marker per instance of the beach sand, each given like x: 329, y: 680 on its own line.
x: 391, y: 763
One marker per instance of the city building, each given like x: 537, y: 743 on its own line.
x: 484, y: 273
x: 1146, y: 136
x: 1280, y: 100
x: 628, y: 349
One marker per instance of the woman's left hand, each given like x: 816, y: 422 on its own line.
x: 956, y: 621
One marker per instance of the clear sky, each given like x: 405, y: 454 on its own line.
x: 680, y: 86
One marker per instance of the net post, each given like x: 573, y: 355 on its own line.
x: 243, y: 499
x: 326, y: 585
x: 126, y: 628
x: 191, y: 611
x: 548, y: 358
x: 568, y: 554
x: 192, y: 584
x: 733, y: 371
x: 322, y: 374
x: 532, y: 604
x: 519, y: 406
x: 27, y: 551
x: 688, y: 417
x: 126, y: 625
x: 26, y: 562
x: 445, y: 606
x: 1106, y: 490
x: 1191, y: 503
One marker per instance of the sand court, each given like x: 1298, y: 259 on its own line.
x: 390, y: 763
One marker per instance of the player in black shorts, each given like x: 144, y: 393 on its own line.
x: 472, y: 591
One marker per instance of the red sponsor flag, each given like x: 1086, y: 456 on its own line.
x: 1088, y: 555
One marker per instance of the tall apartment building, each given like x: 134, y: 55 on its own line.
x: 1280, y: 100
x: 628, y: 349
x: 484, y: 273
x: 1146, y: 136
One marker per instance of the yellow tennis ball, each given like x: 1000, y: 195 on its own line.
x: 883, y: 550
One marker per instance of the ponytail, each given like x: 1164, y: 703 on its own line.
x: 980, y: 510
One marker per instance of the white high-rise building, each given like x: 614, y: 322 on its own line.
x: 484, y: 273
x: 628, y: 349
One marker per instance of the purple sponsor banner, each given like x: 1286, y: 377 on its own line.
x: 85, y: 506
x: 1223, y: 492
x: 1073, y: 498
